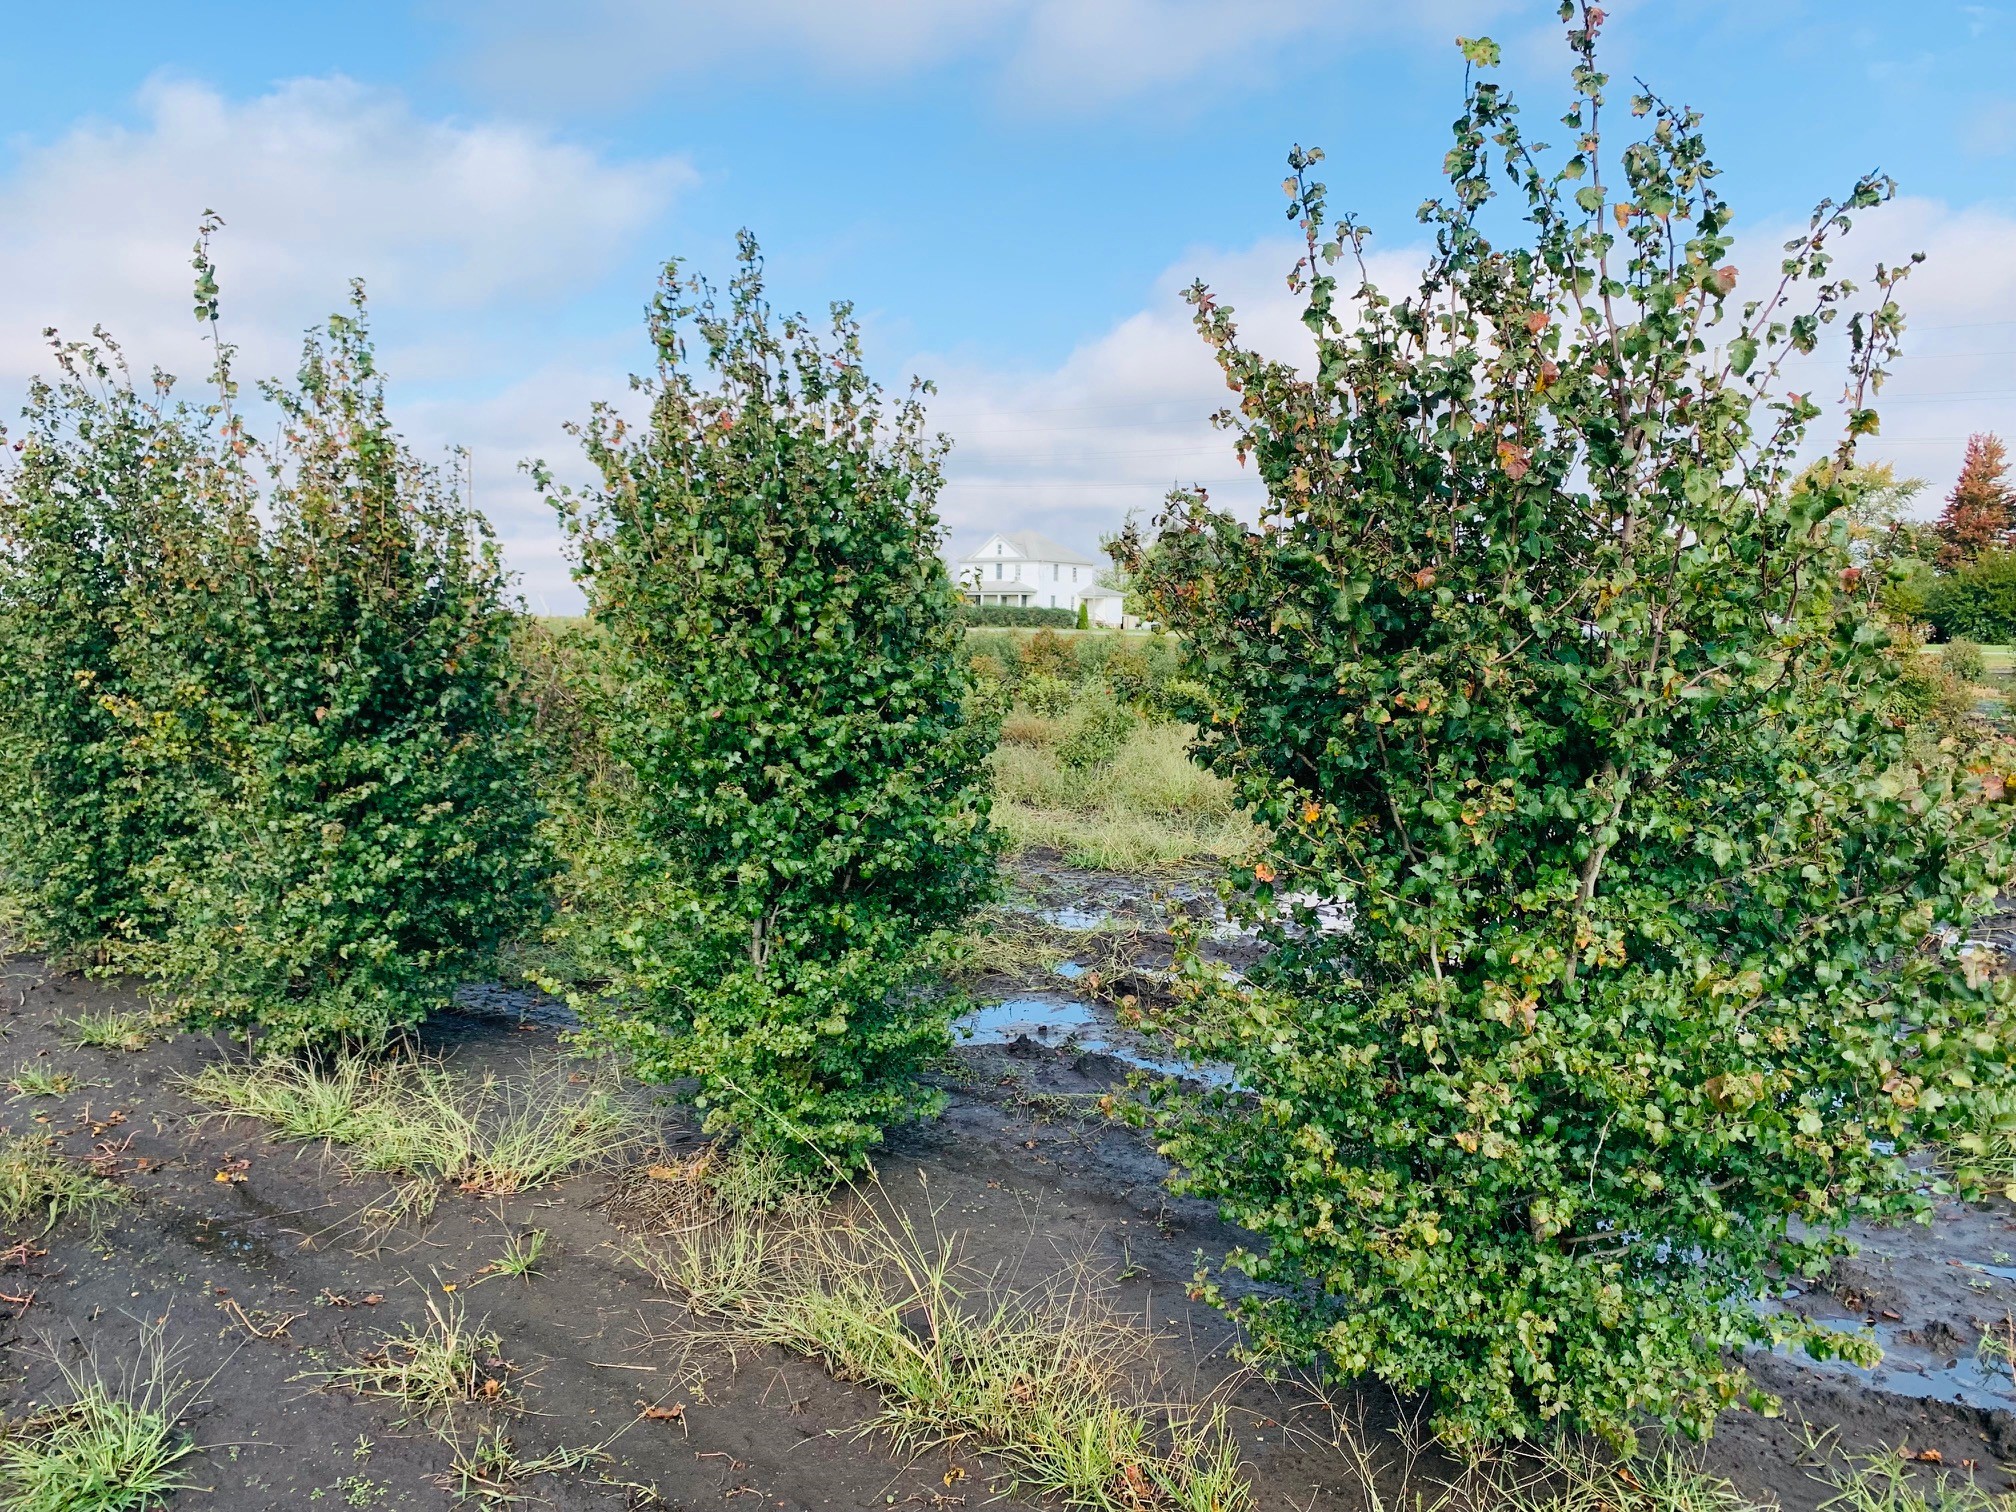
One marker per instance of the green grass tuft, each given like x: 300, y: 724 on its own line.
x: 109, y: 1029
x: 522, y: 1255
x: 40, y: 1183
x: 409, y: 1117
x: 31, y: 1080
x: 445, y: 1363
x: 1048, y: 1380
x: 111, y: 1448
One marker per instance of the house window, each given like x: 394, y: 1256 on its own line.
x: 1074, y: 574
x: 997, y: 569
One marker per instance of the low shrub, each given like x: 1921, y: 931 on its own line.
x: 1098, y: 731
x: 1976, y: 602
x: 1016, y: 615
x: 1962, y: 659
x: 1048, y: 654
x: 1046, y: 695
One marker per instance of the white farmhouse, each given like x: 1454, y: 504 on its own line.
x: 1025, y: 570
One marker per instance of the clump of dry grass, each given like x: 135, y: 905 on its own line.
x: 444, y: 1363
x: 405, y: 1116
x: 1052, y: 1381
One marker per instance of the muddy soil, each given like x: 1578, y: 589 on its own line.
x: 245, y: 1257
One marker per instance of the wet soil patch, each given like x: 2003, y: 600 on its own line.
x: 245, y: 1257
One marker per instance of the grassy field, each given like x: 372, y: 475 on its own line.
x: 1150, y: 809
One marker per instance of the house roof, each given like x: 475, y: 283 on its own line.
x: 1034, y: 547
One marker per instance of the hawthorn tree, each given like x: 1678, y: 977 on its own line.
x: 328, y: 690
x: 102, y: 476
x: 1539, y: 664
x: 780, y: 680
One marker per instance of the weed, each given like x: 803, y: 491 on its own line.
x: 39, y: 1181
x: 445, y: 1363
x: 1997, y: 1346
x: 1048, y: 1379
x: 109, y: 1029
x: 409, y: 1117
x: 111, y: 1448
x: 1885, y: 1481
x: 31, y: 1080
x: 521, y: 1255
x: 493, y: 1468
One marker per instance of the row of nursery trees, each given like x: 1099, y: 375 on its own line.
x: 1547, y: 655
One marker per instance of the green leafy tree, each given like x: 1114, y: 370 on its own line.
x: 785, y: 687
x: 101, y: 479
x: 1977, y: 601
x: 1538, y: 662
x: 328, y: 688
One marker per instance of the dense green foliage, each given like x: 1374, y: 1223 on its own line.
x: 98, y: 479
x: 317, y: 816
x: 1541, y: 666
x: 782, y: 681
x: 1976, y: 601
x: 1017, y: 615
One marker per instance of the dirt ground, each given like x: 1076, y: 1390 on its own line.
x: 244, y: 1257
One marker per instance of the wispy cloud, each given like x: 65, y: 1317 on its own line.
x: 464, y: 231
x: 1056, y: 54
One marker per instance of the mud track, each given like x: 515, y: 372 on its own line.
x: 247, y: 1256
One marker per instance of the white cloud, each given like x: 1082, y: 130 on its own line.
x: 1072, y: 53
x: 1959, y: 347
x: 1071, y: 449
x: 456, y: 227
x: 1126, y: 416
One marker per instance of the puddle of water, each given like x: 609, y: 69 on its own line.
x: 1999, y: 1272
x: 1909, y: 1370
x: 517, y: 1005
x: 1055, y: 1022
x: 1074, y: 916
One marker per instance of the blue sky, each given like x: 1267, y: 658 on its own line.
x: 1011, y: 191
